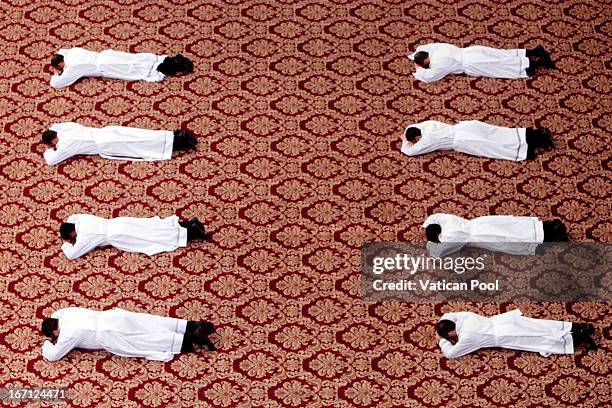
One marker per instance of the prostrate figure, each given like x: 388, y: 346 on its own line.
x: 75, y: 63
x: 448, y: 233
x: 114, y: 142
x: 146, y: 235
x: 123, y: 333
x: 465, y: 332
x: 475, y: 138
x: 437, y: 60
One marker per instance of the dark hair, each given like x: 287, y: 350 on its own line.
x: 420, y: 58
x: 48, y: 326
x: 444, y: 327
x: 432, y: 231
x: 57, y: 59
x: 66, y: 229
x: 412, y: 133
x: 48, y: 136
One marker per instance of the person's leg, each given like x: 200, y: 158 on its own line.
x: 530, y: 138
x: 187, y: 345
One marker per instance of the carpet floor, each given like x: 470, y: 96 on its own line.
x: 299, y: 108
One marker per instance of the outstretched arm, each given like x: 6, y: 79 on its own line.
x: 57, y: 351
x: 67, y: 78
x: 461, y: 348
x: 80, y: 248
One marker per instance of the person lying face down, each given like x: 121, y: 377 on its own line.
x: 75, y: 63
x: 475, y: 138
x: 145, y: 235
x: 123, y: 333
x: 465, y: 332
x: 114, y: 142
x: 437, y: 60
x: 447, y: 233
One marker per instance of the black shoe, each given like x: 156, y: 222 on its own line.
x: 589, y: 329
x: 183, y: 63
x: 547, y: 62
x: 530, y: 71
x: 547, y: 140
x: 591, y: 343
x: 539, y: 51
x: 198, y: 226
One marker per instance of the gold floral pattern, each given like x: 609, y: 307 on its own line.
x: 299, y: 107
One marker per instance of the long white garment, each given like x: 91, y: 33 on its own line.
x: 471, y: 137
x: 509, y: 330
x: 146, y: 235
x: 118, y: 331
x: 111, y: 142
x: 503, y: 233
x: 79, y: 62
x: 477, y: 60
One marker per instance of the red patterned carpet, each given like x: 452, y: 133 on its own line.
x: 299, y: 107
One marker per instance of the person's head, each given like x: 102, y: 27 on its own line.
x: 49, y: 137
x: 50, y: 327
x: 446, y: 330
x: 68, y: 231
x: 413, y: 134
x: 57, y: 61
x: 432, y: 232
x: 421, y: 58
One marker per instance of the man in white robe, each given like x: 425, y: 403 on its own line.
x: 123, y: 333
x: 465, y: 332
x: 114, y: 142
x: 475, y: 138
x: 145, y: 235
x: 437, y: 60
x: 447, y: 233
x: 75, y: 63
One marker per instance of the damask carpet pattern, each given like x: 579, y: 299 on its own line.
x: 299, y: 108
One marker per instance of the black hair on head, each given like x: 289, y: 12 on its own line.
x: 432, y: 231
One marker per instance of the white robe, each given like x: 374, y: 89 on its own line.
x: 509, y: 330
x: 118, y: 331
x: 111, y: 142
x: 503, y: 233
x: 477, y: 60
x: 146, y: 235
x: 79, y: 62
x: 470, y: 137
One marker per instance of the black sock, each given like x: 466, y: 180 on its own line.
x: 530, y: 138
x: 187, y: 345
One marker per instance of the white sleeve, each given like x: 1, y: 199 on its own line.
x: 418, y: 148
x: 463, y: 347
x: 68, y: 77
x: 54, y: 352
x: 55, y: 156
x: 429, y: 75
x: 80, y: 248
x: 73, y: 218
